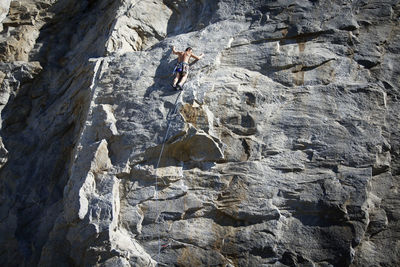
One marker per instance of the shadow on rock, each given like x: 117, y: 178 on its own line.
x: 163, y: 76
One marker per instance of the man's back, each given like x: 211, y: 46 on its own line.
x: 184, y: 56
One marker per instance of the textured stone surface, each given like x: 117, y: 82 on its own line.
x: 283, y: 149
x: 4, y: 7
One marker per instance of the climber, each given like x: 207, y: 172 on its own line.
x: 182, y: 67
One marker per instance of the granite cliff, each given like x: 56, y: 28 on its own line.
x: 282, y: 150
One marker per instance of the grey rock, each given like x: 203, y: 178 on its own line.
x: 282, y: 149
x: 4, y: 7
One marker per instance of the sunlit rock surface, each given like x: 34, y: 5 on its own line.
x: 282, y: 149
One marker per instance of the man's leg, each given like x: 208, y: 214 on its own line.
x: 177, y: 77
x: 183, y: 80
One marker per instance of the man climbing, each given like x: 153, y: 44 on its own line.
x: 182, y: 67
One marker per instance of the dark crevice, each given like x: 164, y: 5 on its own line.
x: 246, y: 148
x: 170, y: 216
x: 190, y: 213
x: 251, y: 99
x: 379, y: 170
x: 368, y: 64
x: 223, y: 219
x: 288, y: 169
x: 178, y: 196
x: 290, y: 258
x: 267, y: 232
x: 308, y: 68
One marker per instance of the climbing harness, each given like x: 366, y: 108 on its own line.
x: 180, y: 67
x: 177, y: 68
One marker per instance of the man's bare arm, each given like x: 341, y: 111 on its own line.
x: 174, y: 51
x: 197, y: 57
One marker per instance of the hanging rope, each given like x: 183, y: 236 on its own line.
x: 157, y: 165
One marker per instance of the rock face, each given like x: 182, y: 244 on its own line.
x: 283, y: 148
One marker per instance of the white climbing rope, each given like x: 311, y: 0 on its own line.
x: 156, y: 180
x: 156, y: 186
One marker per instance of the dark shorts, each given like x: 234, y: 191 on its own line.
x: 182, y: 68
